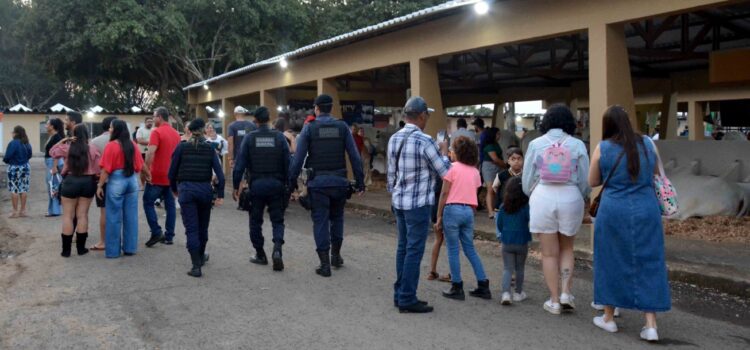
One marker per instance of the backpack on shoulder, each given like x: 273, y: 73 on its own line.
x: 556, y: 163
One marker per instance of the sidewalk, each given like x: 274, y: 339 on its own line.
x: 722, y: 266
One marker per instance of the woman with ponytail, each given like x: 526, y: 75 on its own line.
x: 120, y: 165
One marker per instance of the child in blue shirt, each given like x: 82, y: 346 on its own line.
x: 512, y: 223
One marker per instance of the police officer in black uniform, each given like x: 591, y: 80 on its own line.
x: 324, y: 142
x: 265, y: 155
x: 193, y: 164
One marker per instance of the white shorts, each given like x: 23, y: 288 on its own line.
x: 556, y: 208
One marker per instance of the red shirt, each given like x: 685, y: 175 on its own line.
x: 360, y: 141
x: 114, y: 159
x: 166, y: 139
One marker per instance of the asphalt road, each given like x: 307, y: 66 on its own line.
x: 148, y: 302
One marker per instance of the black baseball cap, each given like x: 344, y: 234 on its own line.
x: 323, y: 100
x: 417, y: 105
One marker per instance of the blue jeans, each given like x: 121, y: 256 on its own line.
x: 328, y: 215
x: 122, y: 214
x: 267, y: 193
x: 413, y: 227
x: 150, y: 195
x: 458, y: 226
x: 195, y: 208
x: 53, y: 204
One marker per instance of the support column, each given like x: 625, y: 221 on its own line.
x: 328, y: 86
x: 609, y: 76
x: 227, y: 106
x: 498, y: 114
x: 668, y: 120
x: 268, y: 100
x: 695, y: 121
x: 200, y: 111
x: 425, y: 83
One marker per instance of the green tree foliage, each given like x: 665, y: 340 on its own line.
x: 117, y: 53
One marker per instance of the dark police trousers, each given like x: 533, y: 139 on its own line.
x: 266, y: 193
x: 196, y: 199
x: 328, y: 215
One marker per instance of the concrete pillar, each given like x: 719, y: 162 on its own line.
x: 425, y: 83
x: 328, y: 86
x: 498, y: 114
x: 227, y: 106
x: 609, y: 76
x: 668, y: 121
x: 510, y: 118
x: 695, y: 121
x: 200, y: 111
x: 268, y: 99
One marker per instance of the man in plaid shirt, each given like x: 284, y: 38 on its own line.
x: 414, y: 162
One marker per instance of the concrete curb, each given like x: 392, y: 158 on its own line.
x: 679, y: 272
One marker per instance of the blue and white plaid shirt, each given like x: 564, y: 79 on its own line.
x: 418, y: 167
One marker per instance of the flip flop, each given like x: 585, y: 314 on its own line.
x: 445, y: 278
x: 432, y: 276
x: 96, y: 248
x: 13, y: 216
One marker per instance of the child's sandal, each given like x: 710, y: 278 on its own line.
x: 432, y: 276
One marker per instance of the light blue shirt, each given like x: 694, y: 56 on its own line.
x: 578, y: 153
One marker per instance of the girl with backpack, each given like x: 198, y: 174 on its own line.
x: 555, y: 177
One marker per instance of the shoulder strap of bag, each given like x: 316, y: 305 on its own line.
x: 398, y: 156
x: 658, y: 158
x: 617, y: 163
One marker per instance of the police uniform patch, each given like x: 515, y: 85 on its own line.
x: 265, y: 142
x: 328, y: 133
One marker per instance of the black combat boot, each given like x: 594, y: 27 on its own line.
x: 81, y: 243
x: 336, y: 260
x: 196, y: 259
x: 260, y: 257
x: 455, y: 292
x: 278, y: 264
x: 67, y: 242
x: 325, y: 264
x: 482, y: 291
x: 204, y: 256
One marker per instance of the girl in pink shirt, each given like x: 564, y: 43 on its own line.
x: 458, y: 202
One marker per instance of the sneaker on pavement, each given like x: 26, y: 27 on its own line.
x: 505, y: 299
x: 553, y: 308
x: 154, y: 239
x: 566, y: 301
x: 610, y: 326
x: 519, y: 296
x: 600, y: 307
x: 167, y: 242
x: 417, y: 308
x: 649, y: 334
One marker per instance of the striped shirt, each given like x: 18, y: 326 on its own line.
x: 418, y: 168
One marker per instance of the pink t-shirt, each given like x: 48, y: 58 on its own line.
x: 464, y: 181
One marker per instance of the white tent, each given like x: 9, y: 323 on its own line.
x: 97, y: 109
x: 136, y: 109
x: 20, y: 108
x: 60, y: 108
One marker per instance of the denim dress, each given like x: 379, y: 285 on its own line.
x: 629, y: 267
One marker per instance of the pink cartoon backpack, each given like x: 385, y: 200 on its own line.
x: 556, y: 163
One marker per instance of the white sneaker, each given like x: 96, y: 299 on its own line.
x: 519, y: 296
x: 566, y: 301
x: 600, y: 307
x: 553, y: 308
x: 649, y: 334
x: 505, y: 299
x: 610, y: 326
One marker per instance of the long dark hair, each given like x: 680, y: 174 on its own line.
x: 491, y: 137
x: 514, y: 199
x: 618, y: 130
x: 78, y: 153
x: 20, y: 134
x: 558, y: 116
x: 121, y: 134
x: 57, y: 125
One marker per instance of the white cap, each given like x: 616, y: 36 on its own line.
x: 240, y: 110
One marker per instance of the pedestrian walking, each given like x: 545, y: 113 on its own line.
x: 55, y: 133
x: 79, y: 186
x: 282, y: 125
x: 512, y: 229
x: 629, y: 265
x: 120, y: 165
x: 143, y: 135
x: 455, y: 218
x: 555, y: 179
x: 193, y: 165
x: 237, y: 130
x: 439, y: 239
x: 264, y: 156
x: 100, y: 142
x: 414, y: 163
x: 17, y: 155
x: 323, y: 145
x: 221, y: 146
x: 492, y: 165
x: 162, y: 143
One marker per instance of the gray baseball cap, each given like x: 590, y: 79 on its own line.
x: 417, y: 105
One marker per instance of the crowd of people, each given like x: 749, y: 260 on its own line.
x: 433, y: 186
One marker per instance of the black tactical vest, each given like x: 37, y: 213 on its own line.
x: 195, y: 165
x: 327, y: 147
x: 266, y: 155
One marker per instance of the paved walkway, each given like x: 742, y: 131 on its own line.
x: 724, y: 266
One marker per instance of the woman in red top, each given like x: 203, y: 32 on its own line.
x: 120, y: 167
x: 78, y: 188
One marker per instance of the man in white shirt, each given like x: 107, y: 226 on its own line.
x: 143, y: 135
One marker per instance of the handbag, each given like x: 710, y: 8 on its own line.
x: 594, y: 207
x: 665, y: 191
